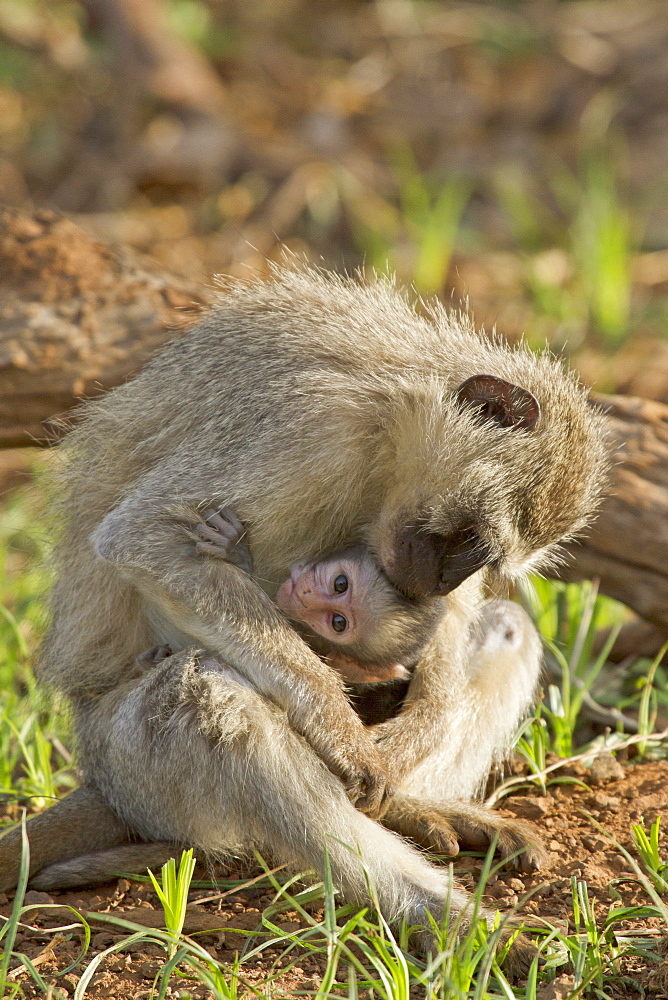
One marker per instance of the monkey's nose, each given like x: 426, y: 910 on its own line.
x: 316, y: 602
x: 427, y: 563
x: 462, y: 553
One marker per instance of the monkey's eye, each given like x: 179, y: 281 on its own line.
x: 339, y: 623
x: 340, y: 587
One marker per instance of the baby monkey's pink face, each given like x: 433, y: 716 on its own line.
x: 330, y: 597
x: 356, y: 619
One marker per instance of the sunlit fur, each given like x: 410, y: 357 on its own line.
x: 323, y: 410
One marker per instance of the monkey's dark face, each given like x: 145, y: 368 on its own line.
x: 431, y: 544
x: 422, y: 562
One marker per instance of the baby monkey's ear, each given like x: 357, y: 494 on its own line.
x: 356, y: 673
x: 502, y: 402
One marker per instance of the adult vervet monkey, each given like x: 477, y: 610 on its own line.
x: 326, y: 412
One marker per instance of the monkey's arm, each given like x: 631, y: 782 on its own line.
x: 436, y: 704
x: 213, y: 604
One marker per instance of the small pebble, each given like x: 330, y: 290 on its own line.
x: 149, y: 970
x: 528, y: 807
x: 605, y: 768
x: 602, y: 801
x: 594, y: 843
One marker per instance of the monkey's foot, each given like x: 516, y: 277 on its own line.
x: 223, y: 536
x: 515, y: 949
x: 446, y: 827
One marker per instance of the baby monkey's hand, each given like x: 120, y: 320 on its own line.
x: 223, y: 536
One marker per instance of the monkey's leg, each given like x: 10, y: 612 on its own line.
x: 80, y: 822
x: 195, y: 755
x: 502, y: 675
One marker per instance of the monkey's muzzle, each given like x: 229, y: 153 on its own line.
x: 428, y: 563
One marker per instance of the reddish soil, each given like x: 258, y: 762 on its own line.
x: 576, y: 823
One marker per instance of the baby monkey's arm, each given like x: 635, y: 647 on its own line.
x: 224, y: 537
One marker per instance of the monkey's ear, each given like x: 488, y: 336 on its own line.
x: 356, y: 673
x: 495, y: 399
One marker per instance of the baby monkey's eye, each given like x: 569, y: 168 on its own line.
x: 340, y: 586
x: 339, y: 623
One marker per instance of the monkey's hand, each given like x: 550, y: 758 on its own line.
x: 223, y: 536
x: 445, y: 827
x: 362, y: 774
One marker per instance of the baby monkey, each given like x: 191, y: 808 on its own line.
x: 343, y: 606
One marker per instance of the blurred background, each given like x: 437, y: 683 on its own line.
x: 507, y: 153
x: 510, y: 157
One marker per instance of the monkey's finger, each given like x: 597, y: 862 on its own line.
x: 211, y: 549
x: 226, y: 522
x: 229, y: 515
x: 441, y: 839
x: 427, y: 827
x: 375, y: 798
x: 526, y: 854
x: 476, y: 828
x: 221, y: 527
x: 210, y: 534
x: 520, y: 845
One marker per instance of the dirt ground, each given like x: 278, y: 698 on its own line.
x: 576, y: 823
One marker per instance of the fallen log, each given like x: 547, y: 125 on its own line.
x: 75, y: 317
x: 627, y: 547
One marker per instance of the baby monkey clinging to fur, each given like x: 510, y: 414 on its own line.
x: 344, y: 605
